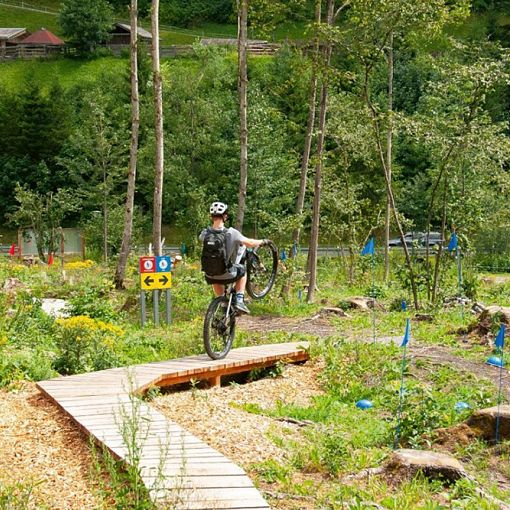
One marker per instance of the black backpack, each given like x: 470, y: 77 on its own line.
x: 214, y: 253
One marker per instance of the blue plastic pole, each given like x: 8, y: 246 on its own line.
x: 459, y: 276
x: 373, y: 298
x: 499, y: 395
x: 401, y: 400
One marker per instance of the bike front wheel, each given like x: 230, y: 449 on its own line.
x: 219, y: 328
x: 262, y: 264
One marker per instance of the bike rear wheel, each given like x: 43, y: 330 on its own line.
x: 219, y: 329
x: 262, y: 264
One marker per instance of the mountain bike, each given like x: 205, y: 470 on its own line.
x: 220, y: 319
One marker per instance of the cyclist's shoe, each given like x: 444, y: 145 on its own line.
x: 241, y: 307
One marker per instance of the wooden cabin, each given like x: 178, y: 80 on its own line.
x: 121, y: 35
x: 10, y: 37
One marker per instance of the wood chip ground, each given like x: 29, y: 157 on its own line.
x: 38, y: 444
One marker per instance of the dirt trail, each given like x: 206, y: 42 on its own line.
x: 322, y: 327
x: 317, y: 325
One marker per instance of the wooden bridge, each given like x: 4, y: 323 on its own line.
x: 175, y: 465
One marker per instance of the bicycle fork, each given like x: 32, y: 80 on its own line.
x: 229, y: 305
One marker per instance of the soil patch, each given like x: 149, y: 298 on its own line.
x: 39, y: 444
x: 441, y: 355
x: 317, y: 325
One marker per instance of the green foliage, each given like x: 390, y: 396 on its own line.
x: 44, y: 215
x: 18, y: 496
x: 94, y: 303
x: 84, y: 345
x: 185, y: 13
x: 94, y: 229
x: 272, y: 471
x: 121, y: 481
x: 86, y: 23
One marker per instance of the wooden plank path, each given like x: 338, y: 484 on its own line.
x: 175, y: 465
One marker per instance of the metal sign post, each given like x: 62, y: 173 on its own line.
x: 155, y: 275
x: 142, y: 307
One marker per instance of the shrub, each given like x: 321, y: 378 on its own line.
x: 92, y: 302
x: 85, y: 344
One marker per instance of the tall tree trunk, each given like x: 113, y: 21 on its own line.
x: 316, y: 212
x: 242, y: 87
x: 389, y: 158
x: 158, y: 111
x: 312, y: 98
x: 125, y: 247
x: 389, y: 188
x: 105, y: 214
x: 437, y: 267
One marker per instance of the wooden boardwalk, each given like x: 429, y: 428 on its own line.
x: 175, y: 465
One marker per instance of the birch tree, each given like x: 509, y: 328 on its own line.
x: 158, y: 128
x: 312, y: 99
x: 314, y: 235
x: 125, y: 248
x: 242, y: 87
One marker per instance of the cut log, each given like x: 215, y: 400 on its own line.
x: 501, y: 312
x: 363, y: 303
x: 486, y: 320
x: 483, y: 422
x: 423, y: 317
x: 334, y: 310
x: 407, y: 463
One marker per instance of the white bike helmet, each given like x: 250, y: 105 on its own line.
x: 218, y: 208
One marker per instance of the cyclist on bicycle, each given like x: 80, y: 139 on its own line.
x: 223, y: 252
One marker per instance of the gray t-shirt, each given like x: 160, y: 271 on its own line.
x: 234, y: 241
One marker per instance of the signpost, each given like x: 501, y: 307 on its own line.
x: 155, y: 275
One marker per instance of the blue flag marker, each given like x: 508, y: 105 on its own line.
x: 500, y: 339
x: 405, y: 341
x: 283, y: 255
x: 452, y: 245
x: 369, y: 247
x: 403, y: 305
x: 500, y: 343
x: 407, y: 334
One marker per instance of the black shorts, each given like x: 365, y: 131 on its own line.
x: 237, y: 271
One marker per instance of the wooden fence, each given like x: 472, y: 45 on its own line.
x: 27, y: 52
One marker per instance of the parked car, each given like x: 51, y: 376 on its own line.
x: 434, y: 238
x: 420, y: 238
x: 409, y: 238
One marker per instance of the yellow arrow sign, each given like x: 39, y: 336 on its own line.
x: 155, y: 281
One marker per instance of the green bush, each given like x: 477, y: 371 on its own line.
x: 24, y: 364
x: 94, y: 303
x: 85, y: 345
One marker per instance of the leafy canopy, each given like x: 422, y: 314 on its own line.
x: 87, y: 23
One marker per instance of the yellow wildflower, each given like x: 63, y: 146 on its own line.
x: 80, y: 264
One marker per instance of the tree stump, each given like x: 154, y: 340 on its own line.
x: 483, y: 422
x: 406, y: 463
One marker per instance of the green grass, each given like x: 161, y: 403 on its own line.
x: 67, y: 71
x: 20, y: 18
x: 343, y: 439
